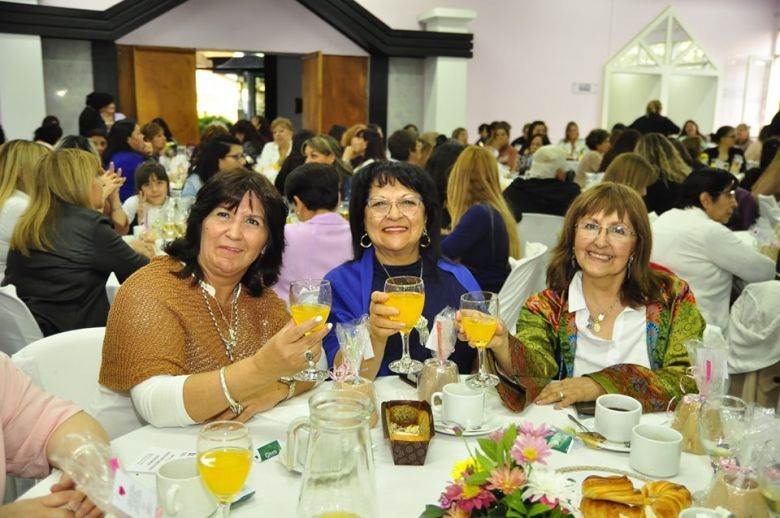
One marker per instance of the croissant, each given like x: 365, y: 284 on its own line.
x: 616, y: 497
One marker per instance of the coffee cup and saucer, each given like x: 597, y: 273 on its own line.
x: 460, y: 410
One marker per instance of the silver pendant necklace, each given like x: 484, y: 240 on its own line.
x: 230, y: 341
x: 388, y: 273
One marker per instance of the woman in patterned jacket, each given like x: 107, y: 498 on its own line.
x: 608, y: 323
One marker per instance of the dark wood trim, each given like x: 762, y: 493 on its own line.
x: 378, y: 72
x: 372, y: 34
x: 271, y: 89
x: 82, y: 24
x: 105, y: 74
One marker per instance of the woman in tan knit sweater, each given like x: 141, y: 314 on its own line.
x: 199, y: 334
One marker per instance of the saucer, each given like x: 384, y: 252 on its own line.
x: 619, y: 447
x: 489, y: 425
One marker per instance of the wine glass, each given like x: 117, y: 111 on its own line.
x: 479, y: 318
x: 407, y: 295
x: 224, y: 459
x: 722, y: 423
x: 310, y: 298
x: 769, y: 478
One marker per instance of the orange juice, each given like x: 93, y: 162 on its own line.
x: 410, y: 304
x: 303, y: 312
x: 224, y: 471
x: 479, y: 327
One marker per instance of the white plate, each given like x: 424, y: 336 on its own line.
x: 619, y: 447
x: 577, y: 474
x: 490, y: 425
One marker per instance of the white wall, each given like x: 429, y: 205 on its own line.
x: 274, y: 26
x: 528, y: 54
x: 22, y: 101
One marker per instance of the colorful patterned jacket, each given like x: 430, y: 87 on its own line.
x: 545, y: 342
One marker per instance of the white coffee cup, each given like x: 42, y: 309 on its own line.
x: 616, y: 415
x: 655, y: 450
x: 460, y: 404
x: 703, y: 512
x: 181, y: 492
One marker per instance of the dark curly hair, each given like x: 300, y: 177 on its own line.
x: 228, y: 188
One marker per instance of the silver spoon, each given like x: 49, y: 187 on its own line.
x: 595, y: 437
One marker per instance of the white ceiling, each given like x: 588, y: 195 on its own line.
x: 92, y: 5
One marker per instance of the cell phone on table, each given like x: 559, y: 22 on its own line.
x: 585, y: 408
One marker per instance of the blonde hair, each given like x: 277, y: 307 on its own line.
x: 281, y: 121
x: 769, y: 181
x: 62, y: 177
x: 663, y: 156
x: 474, y: 180
x: 632, y: 170
x: 17, y: 165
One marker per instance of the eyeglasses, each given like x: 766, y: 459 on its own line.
x: 617, y: 232
x: 381, y: 207
x: 237, y: 156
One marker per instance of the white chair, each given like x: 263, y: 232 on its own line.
x: 768, y: 208
x: 112, y: 285
x: 66, y: 364
x: 540, y: 228
x: 17, y: 325
x: 525, y: 279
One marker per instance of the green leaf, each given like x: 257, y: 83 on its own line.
x: 489, y: 448
x: 485, y: 463
x: 478, y: 478
x: 538, y: 509
x: 433, y: 511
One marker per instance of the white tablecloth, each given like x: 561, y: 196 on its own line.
x: 403, y: 491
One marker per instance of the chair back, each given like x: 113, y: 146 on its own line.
x: 768, y: 208
x: 66, y: 364
x: 525, y: 278
x: 540, y: 228
x: 17, y: 325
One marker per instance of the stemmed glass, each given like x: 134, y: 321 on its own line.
x: 769, y: 479
x: 224, y: 459
x: 722, y: 423
x: 310, y: 298
x: 479, y: 318
x: 407, y: 295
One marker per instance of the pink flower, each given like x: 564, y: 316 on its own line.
x: 475, y: 497
x: 527, y: 429
x: 506, y: 480
x: 496, y: 436
x: 451, y: 495
x: 530, y: 449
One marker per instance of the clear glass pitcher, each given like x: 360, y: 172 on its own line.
x: 338, y: 474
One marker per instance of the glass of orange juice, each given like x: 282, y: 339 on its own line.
x: 407, y: 295
x: 310, y: 298
x: 224, y: 459
x: 479, y: 318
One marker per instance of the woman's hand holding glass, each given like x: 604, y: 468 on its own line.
x: 380, y: 315
x: 285, y: 353
x: 479, y: 317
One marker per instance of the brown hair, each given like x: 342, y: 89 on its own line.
x: 642, y: 283
x: 632, y: 170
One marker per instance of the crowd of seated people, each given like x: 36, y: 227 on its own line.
x: 265, y: 212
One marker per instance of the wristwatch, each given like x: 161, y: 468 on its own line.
x: 290, y: 382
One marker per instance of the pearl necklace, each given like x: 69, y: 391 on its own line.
x: 232, y: 338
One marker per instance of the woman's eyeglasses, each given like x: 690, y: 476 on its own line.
x: 237, y: 156
x: 617, y: 232
x: 381, y: 207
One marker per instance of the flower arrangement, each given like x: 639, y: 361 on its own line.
x: 506, y: 476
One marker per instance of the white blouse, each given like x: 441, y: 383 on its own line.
x: 629, y: 336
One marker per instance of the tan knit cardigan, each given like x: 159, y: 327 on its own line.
x: 159, y: 324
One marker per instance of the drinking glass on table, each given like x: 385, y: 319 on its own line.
x: 224, y: 459
x: 769, y: 478
x: 479, y: 318
x: 310, y: 298
x: 723, y: 421
x: 407, y: 295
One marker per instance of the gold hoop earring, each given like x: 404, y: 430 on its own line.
x: 363, y: 243
x: 427, y: 238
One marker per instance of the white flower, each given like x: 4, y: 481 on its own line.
x: 549, y: 484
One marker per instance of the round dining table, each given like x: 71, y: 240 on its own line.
x: 402, y: 491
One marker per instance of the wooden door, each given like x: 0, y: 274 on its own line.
x: 160, y: 82
x: 334, y: 91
